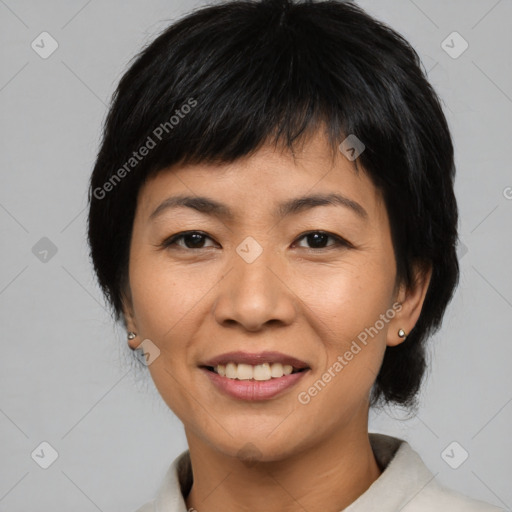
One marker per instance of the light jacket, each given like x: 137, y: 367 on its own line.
x: 405, y: 485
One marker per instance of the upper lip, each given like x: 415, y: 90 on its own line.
x: 255, y: 359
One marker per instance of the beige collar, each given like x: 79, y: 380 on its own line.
x: 406, y: 484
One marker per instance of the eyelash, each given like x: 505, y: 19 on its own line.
x: 339, y: 242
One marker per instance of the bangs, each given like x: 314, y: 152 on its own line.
x: 204, y: 94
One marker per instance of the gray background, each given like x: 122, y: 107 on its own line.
x: 66, y: 374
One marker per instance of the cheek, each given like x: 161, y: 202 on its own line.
x: 347, y: 300
x: 351, y: 335
x: 165, y: 298
x: 167, y: 301
x: 348, y: 309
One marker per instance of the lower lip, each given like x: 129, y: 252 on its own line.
x: 254, y: 389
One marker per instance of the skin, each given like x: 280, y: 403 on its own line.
x: 311, y: 303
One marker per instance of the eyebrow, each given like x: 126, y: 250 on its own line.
x: 290, y: 207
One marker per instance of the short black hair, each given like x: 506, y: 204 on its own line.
x: 228, y: 78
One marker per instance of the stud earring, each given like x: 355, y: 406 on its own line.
x: 132, y: 335
x: 401, y: 333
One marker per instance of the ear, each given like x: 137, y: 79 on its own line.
x: 129, y: 321
x: 411, y: 300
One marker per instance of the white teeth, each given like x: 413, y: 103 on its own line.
x: 231, y: 371
x: 262, y: 372
x: 276, y: 370
x: 265, y: 371
x: 287, y: 369
x: 244, y: 372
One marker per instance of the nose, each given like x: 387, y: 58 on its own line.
x: 255, y: 293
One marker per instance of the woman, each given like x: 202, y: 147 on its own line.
x: 272, y: 218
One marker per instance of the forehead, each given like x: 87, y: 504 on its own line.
x: 266, y: 181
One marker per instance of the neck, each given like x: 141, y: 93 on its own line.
x: 327, y: 476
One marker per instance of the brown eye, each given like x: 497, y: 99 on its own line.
x: 189, y: 239
x: 318, y: 240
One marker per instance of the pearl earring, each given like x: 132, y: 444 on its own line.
x: 401, y: 333
x: 132, y: 335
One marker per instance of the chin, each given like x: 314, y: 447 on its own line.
x: 257, y: 447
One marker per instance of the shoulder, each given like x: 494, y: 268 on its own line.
x: 408, y: 485
x: 440, y: 498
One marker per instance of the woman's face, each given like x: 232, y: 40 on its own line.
x: 253, y: 281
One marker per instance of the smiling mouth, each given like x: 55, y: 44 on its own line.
x: 259, y: 372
